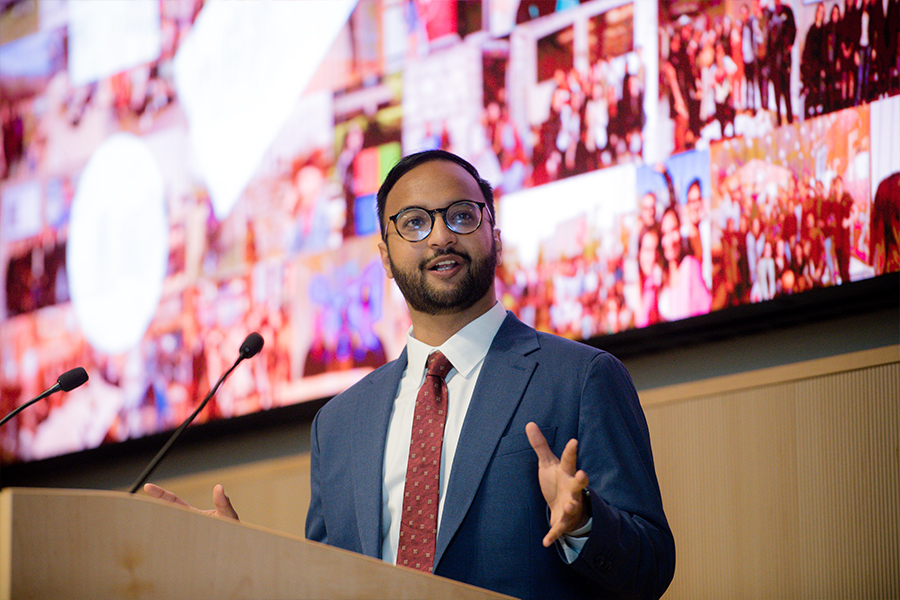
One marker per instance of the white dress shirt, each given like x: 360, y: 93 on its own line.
x: 465, y: 351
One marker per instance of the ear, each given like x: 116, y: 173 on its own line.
x: 385, y: 259
x: 499, y: 244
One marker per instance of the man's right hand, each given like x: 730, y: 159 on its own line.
x: 223, y: 507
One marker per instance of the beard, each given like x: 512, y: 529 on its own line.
x: 423, y: 297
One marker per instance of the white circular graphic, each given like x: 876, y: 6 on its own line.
x: 118, y: 244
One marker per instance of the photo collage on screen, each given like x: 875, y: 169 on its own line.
x: 652, y: 162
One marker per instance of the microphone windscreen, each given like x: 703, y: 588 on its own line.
x: 252, y: 345
x: 70, y: 380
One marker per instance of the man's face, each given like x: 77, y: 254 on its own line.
x: 446, y: 272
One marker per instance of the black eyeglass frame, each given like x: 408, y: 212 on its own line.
x: 443, y: 212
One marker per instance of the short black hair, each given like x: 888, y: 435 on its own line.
x: 408, y: 163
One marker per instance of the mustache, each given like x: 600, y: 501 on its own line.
x: 445, y: 252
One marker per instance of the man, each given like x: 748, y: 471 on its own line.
x: 867, y: 38
x: 763, y: 63
x: 782, y: 32
x: 878, y: 32
x: 851, y: 30
x: 814, y: 65
x: 677, y: 73
x: 842, y: 227
x: 749, y: 35
x: 511, y: 517
x: 509, y: 388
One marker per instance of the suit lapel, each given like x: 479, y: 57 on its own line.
x: 501, y: 384
x: 369, y: 434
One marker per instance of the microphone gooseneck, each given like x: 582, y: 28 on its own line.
x: 253, y: 343
x: 66, y: 382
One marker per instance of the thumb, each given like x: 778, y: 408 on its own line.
x: 223, y: 503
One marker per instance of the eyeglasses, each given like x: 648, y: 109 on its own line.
x: 414, y: 224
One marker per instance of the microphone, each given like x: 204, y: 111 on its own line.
x: 66, y: 382
x: 253, y: 343
x: 251, y: 346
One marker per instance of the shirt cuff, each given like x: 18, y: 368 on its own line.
x: 573, y: 543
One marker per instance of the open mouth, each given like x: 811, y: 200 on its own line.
x: 445, y: 264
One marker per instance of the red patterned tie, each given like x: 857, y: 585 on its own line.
x: 418, y: 525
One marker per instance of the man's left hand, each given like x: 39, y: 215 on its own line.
x: 561, y: 485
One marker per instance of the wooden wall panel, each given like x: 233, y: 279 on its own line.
x: 784, y: 487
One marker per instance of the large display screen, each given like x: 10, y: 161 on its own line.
x: 178, y: 174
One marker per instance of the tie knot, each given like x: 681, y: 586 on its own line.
x: 438, y: 364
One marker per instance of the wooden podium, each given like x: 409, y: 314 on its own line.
x: 100, y: 545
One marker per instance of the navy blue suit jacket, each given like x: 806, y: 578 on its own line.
x: 495, y: 515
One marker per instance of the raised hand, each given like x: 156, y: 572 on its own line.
x: 561, y: 485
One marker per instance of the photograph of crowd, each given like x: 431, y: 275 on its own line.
x: 652, y: 162
x: 802, y: 225
x: 744, y: 67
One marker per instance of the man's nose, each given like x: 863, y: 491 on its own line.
x: 441, y: 235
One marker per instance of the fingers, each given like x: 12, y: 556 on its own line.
x: 569, y: 457
x: 554, y: 534
x: 567, y: 461
x: 578, y: 482
x: 539, y: 444
x: 153, y: 490
x: 161, y: 494
x: 223, y: 504
x: 571, y: 518
x: 572, y: 515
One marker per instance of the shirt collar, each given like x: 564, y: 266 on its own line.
x: 465, y: 349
